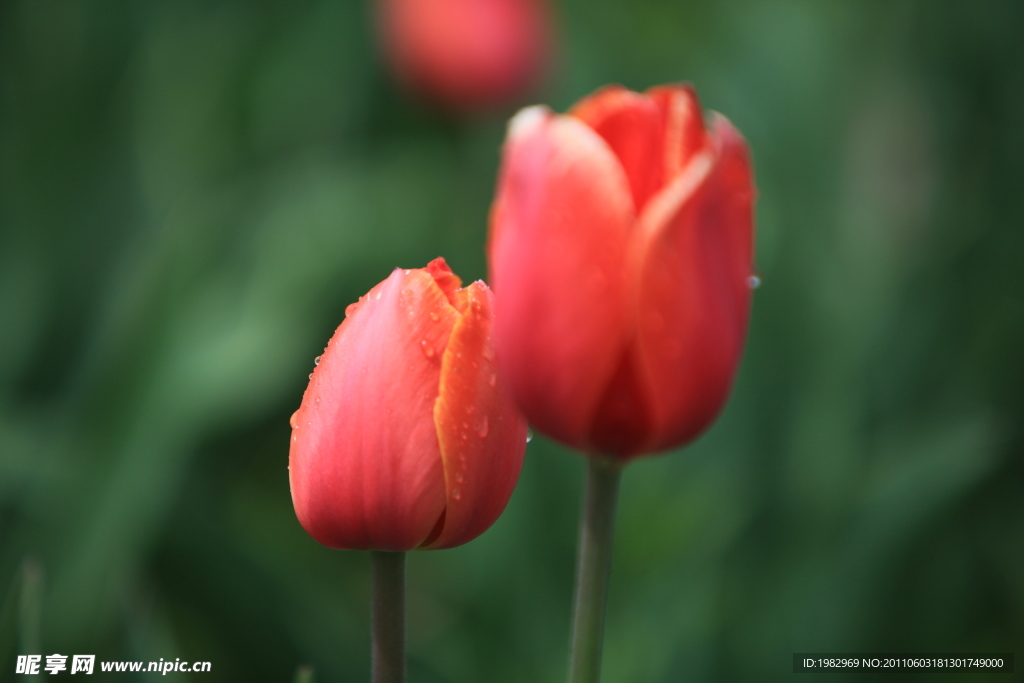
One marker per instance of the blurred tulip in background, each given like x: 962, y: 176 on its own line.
x: 405, y: 438
x: 622, y: 256
x: 466, y: 55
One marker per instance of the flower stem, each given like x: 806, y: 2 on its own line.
x: 388, y: 616
x: 593, y: 566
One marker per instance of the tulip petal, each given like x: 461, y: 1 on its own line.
x: 448, y: 281
x: 632, y: 125
x: 365, y: 465
x: 694, y: 295
x: 481, y: 433
x: 559, y: 233
x: 683, y: 133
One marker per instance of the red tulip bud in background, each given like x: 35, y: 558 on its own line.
x: 466, y: 54
x: 405, y: 438
x: 621, y: 256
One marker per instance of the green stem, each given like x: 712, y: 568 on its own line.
x: 593, y: 567
x: 388, y: 617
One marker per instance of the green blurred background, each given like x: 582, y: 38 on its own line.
x: 190, y: 194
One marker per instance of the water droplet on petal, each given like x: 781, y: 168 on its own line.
x: 434, y: 316
x: 482, y: 428
x: 350, y: 309
x: 529, y: 435
x: 459, y: 477
x: 316, y: 361
x: 377, y: 298
x: 465, y: 425
x: 311, y: 375
x: 318, y: 399
x: 456, y: 493
x: 493, y: 380
x: 464, y: 436
x: 293, y: 420
x: 428, y: 349
x: 754, y: 281
x: 470, y: 410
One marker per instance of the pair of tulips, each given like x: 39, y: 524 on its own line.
x: 621, y: 254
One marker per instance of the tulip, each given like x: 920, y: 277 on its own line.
x: 466, y: 54
x: 621, y: 255
x: 405, y: 437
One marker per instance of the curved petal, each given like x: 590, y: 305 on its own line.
x: 683, y: 134
x: 365, y: 466
x: 632, y: 125
x: 694, y: 294
x: 559, y: 230
x: 481, y: 433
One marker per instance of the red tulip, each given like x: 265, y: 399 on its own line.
x: 621, y: 256
x: 405, y: 437
x: 466, y: 54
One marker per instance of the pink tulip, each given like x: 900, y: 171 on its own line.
x: 621, y: 256
x: 405, y: 437
x: 466, y: 54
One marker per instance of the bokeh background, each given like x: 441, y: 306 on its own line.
x: 191, y: 193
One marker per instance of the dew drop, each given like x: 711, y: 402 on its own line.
x: 482, y: 428
x: 754, y: 281
x: 350, y: 309
x: 377, y: 298
x: 464, y: 436
x: 465, y: 425
x: 428, y: 348
x: 311, y: 375
x: 493, y: 380
x: 293, y: 420
x: 318, y: 399
x: 529, y: 435
x: 459, y: 477
x: 456, y: 493
x: 316, y: 361
x: 470, y: 410
x: 294, y: 437
x: 434, y: 316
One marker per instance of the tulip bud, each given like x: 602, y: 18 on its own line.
x: 621, y: 255
x: 466, y: 54
x: 405, y: 437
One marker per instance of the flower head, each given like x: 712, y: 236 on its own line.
x: 621, y: 253
x: 405, y: 437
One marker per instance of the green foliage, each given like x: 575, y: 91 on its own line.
x: 190, y: 194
